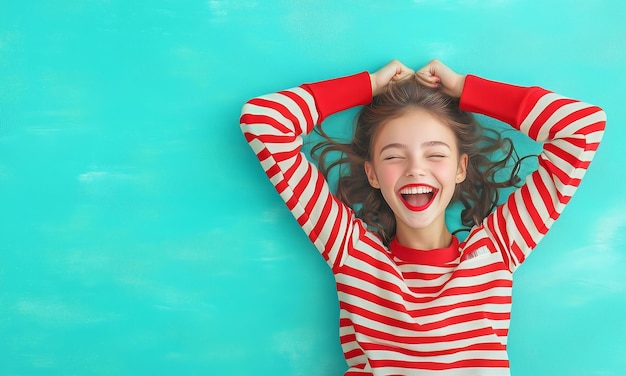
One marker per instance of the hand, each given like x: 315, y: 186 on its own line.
x: 393, y: 71
x: 436, y: 74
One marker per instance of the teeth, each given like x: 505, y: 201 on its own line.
x: 415, y: 190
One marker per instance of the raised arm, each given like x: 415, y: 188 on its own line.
x: 274, y: 125
x: 571, y: 132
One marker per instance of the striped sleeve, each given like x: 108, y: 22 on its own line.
x: 570, y: 130
x: 274, y: 125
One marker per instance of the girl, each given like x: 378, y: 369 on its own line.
x: 413, y: 299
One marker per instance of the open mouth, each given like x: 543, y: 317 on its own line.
x: 418, y: 197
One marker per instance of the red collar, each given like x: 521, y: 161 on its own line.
x: 432, y: 257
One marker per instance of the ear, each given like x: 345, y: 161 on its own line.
x: 461, y: 172
x: 371, y: 175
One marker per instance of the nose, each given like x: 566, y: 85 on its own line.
x: 415, y: 168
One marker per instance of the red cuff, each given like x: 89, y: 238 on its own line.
x: 338, y: 94
x: 498, y: 100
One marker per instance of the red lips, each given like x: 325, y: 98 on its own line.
x: 417, y: 197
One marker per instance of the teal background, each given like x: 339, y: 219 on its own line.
x: 139, y: 235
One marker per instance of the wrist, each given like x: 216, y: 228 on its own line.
x: 459, y: 85
x: 373, y: 84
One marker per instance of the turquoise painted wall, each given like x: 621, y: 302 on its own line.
x: 138, y: 234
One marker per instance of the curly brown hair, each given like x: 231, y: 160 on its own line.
x: 488, y: 153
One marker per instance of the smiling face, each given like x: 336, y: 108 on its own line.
x: 416, y: 165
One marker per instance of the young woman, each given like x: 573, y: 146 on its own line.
x: 414, y: 300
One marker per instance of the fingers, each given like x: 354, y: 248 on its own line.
x: 437, y: 75
x: 429, y: 74
x: 392, y: 71
x: 434, y: 75
x: 428, y: 79
x: 402, y: 71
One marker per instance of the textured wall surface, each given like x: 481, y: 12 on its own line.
x: 139, y: 235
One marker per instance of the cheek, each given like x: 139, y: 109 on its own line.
x: 388, y: 175
x: 446, y: 172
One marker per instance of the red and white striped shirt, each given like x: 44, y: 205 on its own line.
x: 405, y: 311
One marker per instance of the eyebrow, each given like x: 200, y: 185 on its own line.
x: 424, y: 144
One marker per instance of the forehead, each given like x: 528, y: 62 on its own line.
x: 415, y: 127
